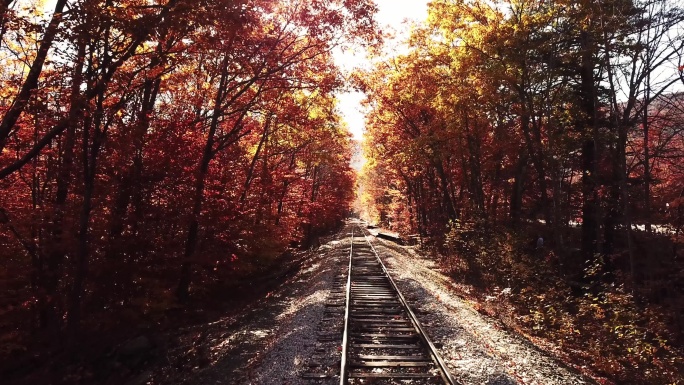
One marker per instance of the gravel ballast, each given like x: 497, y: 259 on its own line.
x: 475, y: 348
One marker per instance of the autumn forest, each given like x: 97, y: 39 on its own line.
x: 163, y: 162
x: 511, y: 121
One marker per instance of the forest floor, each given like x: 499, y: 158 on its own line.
x: 274, y: 341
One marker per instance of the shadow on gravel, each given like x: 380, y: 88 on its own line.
x: 501, y: 380
x: 264, y: 346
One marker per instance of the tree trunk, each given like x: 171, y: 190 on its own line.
x: 647, y: 158
x: 183, y: 288
x: 90, y: 153
x: 50, y: 278
x: 129, y: 189
x: 255, y: 159
x: 517, y: 190
x: 588, y: 126
x: 446, y: 197
x: 283, y: 194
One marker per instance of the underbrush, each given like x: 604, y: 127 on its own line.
x: 120, y: 338
x: 596, y: 319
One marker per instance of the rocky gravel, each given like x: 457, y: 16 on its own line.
x: 475, y: 347
x: 306, y: 351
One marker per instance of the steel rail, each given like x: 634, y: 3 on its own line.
x: 345, y: 337
x: 446, y: 376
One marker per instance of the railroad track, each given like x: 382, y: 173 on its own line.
x: 383, y: 342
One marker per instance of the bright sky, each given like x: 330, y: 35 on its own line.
x: 391, y: 16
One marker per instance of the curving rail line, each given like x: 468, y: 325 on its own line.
x: 383, y: 339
